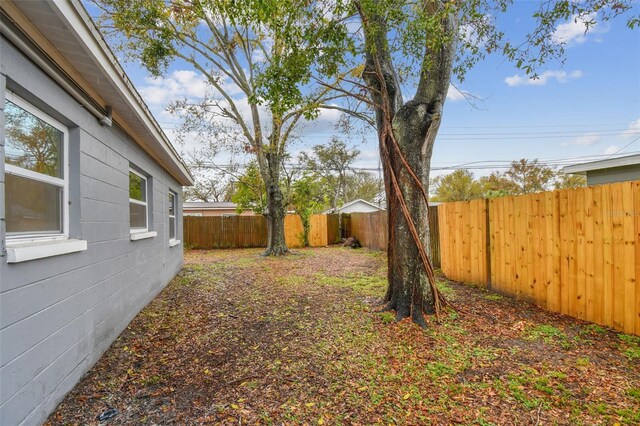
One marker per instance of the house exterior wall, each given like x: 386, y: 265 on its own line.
x: 617, y: 174
x: 59, y: 314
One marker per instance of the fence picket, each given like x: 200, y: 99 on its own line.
x: 572, y: 251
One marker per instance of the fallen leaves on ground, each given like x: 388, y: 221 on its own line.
x: 240, y: 339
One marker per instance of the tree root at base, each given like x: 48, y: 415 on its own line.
x: 417, y: 316
x: 278, y: 251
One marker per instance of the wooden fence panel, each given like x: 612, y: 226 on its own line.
x: 434, y: 239
x: 463, y: 241
x: 333, y: 228
x: 370, y: 229
x: 293, y: 231
x: 218, y: 232
x: 318, y: 230
x: 573, y: 251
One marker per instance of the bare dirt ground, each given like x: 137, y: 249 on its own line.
x: 240, y: 339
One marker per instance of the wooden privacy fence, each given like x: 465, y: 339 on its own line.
x: 371, y: 231
x: 218, y: 232
x: 575, y: 251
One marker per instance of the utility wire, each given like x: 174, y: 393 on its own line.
x: 624, y: 147
x: 474, y: 165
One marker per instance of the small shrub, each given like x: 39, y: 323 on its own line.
x: 387, y: 317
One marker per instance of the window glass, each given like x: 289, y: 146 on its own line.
x: 32, y: 206
x: 137, y: 215
x: 172, y: 228
x: 172, y: 215
x: 137, y: 201
x: 31, y: 143
x: 137, y: 187
x: 35, y: 182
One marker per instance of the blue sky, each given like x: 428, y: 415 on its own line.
x: 588, y: 106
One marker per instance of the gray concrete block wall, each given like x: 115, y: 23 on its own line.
x: 59, y: 314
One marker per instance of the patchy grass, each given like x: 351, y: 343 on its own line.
x: 630, y: 346
x: 493, y: 296
x: 549, y: 334
x: 241, y: 339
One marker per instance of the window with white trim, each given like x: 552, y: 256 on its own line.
x: 138, y: 208
x: 172, y: 215
x: 36, y: 173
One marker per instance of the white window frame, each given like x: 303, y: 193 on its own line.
x: 15, y: 237
x: 175, y: 209
x: 142, y: 203
x: 174, y: 241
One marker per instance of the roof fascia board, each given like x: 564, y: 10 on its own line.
x: 77, y: 19
x: 44, y: 48
x: 32, y: 32
x: 631, y: 160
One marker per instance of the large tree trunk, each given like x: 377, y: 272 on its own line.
x: 408, y: 292
x: 276, y: 245
x: 406, y: 134
x: 276, y: 208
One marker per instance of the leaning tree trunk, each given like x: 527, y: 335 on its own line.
x: 406, y: 135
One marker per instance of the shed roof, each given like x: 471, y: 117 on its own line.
x: 609, y: 163
x: 352, y: 202
x: 201, y: 205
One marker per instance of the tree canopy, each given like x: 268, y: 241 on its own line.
x: 523, y: 177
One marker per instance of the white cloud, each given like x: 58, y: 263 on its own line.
x: 559, y: 76
x: 179, y: 84
x: 575, y: 30
x: 585, y: 140
x: 633, y: 130
x: 453, y: 94
x: 611, y: 150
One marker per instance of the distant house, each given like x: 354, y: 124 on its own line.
x: 90, y: 204
x: 619, y: 169
x: 356, y: 206
x: 201, y: 208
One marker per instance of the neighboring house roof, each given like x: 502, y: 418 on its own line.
x: 201, y: 205
x: 350, y: 203
x: 609, y: 163
x: 75, y: 49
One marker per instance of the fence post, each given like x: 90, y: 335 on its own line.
x: 488, y: 243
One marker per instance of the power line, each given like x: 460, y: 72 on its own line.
x: 474, y: 165
x: 626, y: 146
x: 559, y: 133
x: 596, y: 130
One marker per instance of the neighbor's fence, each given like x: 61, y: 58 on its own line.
x: 217, y: 232
x: 371, y: 230
x: 575, y: 251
